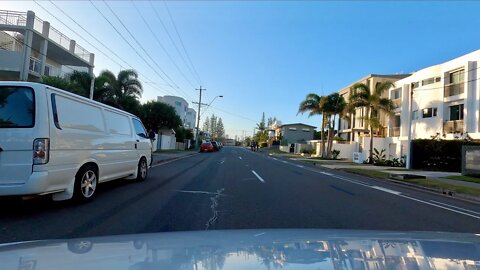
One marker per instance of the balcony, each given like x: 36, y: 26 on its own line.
x: 61, y: 48
x: 394, y: 132
x: 454, y: 126
x: 453, y: 89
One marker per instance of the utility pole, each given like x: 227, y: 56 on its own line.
x: 409, y: 137
x: 198, y: 114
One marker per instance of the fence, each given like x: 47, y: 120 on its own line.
x: 471, y: 160
x: 13, y: 18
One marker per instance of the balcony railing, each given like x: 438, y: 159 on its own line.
x: 454, y: 126
x: 13, y: 18
x: 82, y: 53
x: 453, y: 89
x: 394, y: 132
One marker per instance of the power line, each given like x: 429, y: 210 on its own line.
x: 143, y: 49
x: 160, y: 44
x: 123, y: 37
x: 181, y: 41
x: 173, y: 42
x: 101, y: 51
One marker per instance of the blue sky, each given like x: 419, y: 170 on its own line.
x: 267, y: 56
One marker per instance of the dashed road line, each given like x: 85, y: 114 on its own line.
x: 258, y: 176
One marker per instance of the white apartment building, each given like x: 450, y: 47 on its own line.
x: 191, y: 118
x: 181, y: 108
x: 445, y: 103
x: 30, y: 48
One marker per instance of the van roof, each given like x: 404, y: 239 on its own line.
x: 21, y: 83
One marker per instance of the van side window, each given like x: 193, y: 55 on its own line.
x: 139, y: 129
x: 17, y: 107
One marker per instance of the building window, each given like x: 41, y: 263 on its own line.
x: 306, y: 129
x: 47, y: 70
x: 437, y: 79
x: 428, y: 81
x: 396, y: 93
x: 415, y: 85
x: 457, y: 76
x: 178, y: 103
x: 456, y: 112
x: 292, y: 129
x: 429, y: 112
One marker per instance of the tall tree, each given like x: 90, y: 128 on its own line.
x: 261, y: 125
x: 371, y: 100
x: 220, y: 129
x: 206, y: 124
x: 335, y: 105
x: 269, y: 122
x: 156, y: 115
x: 122, y: 88
x: 213, y: 126
x: 315, y: 105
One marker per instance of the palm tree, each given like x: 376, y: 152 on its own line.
x: 315, y: 105
x: 335, y: 105
x: 121, y: 90
x: 361, y: 96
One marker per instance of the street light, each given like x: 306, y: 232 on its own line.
x: 200, y: 115
x: 220, y: 96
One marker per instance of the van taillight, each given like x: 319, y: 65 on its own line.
x: 41, y: 148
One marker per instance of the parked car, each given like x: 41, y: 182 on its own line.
x: 207, y: 147
x: 215, y: 146
x: 76, y: 143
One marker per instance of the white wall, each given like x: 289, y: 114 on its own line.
x: 346, y: 150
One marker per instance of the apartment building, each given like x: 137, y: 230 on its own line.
x: 356, y: 127
x: 31, y: 48
x: 440, y: 101
x: 191, y: 118
x: 187, y: 115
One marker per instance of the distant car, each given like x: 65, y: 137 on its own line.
x: 215, y: 146
x: 207, y: 147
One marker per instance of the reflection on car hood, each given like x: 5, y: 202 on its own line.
x: 250, y: 249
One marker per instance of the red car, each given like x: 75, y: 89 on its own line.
x: 207, y: 147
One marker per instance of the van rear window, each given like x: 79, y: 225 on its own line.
x: 17, y: 107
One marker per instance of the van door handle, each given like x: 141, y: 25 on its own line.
x: 138, y: 140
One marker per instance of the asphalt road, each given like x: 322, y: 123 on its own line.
x: 237, y: 189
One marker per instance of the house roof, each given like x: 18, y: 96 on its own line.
x: 298, y: 124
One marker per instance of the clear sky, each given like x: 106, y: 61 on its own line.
x: 267, y: 56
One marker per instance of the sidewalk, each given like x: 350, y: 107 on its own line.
x: 164, y: 157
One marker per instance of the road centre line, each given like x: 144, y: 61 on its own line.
x: 387, y: 190
x: 258, y: 176
x: 239, y: 157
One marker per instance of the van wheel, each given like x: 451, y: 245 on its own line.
x: 142, y: 170
x: 86, y: 182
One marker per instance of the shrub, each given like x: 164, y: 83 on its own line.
x: 335, y: 153
x: 263, y: 144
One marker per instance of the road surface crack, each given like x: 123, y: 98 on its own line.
x: 214, y: 206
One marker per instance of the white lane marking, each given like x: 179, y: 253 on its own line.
x: 173, y: 160
x: 439, y: 206
x: 258, y: 176
x: 387, y: 190
x: 449, y: 205
x: 258, y: 234
x: 239, y: 157
x: 274, y: 158
x: 221, y: 162
x: 300, y: 166
x: 284, y: 162
x: 326, y: 173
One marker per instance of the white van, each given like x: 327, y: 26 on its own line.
x: 55, y: 142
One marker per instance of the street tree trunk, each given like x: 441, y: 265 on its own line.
x: 331, y: 135
x: 322, y: 134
